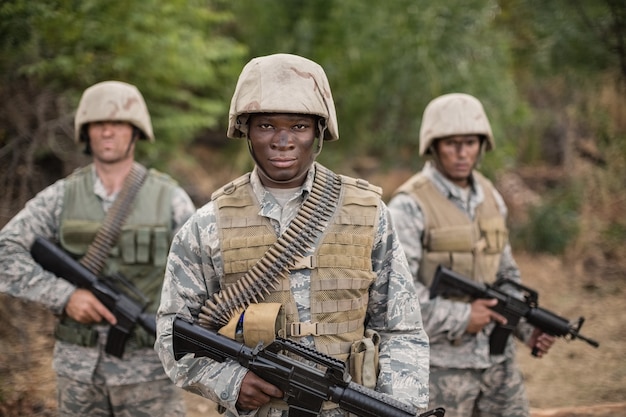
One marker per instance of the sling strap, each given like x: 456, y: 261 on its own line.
x: 309, y: 223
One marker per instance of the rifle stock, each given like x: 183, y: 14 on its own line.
x: 126, y: 310
x: 448, y: 283
x: 305, y: 386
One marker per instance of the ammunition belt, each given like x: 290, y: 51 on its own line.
x: 109, y: 232
x: 294, y: 243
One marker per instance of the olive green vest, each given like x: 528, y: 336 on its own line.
x: 141, y: 251
x: 341, y: 265
x: 470, y: 247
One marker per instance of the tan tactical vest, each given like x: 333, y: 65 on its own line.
x: 143, y: 245
x: 470, y: 247
x: 341, y: 265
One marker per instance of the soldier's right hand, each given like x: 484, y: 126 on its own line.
x: 256, y: 392
x: 85, y: 308
x: 482, y: 315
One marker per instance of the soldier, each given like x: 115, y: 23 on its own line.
x: 353, y: 279
x: 450, y: 214
x: 111, y: 117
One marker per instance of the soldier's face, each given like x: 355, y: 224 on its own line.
x: 110, y: 141
x: 283, y: 146
x: 457, y: 156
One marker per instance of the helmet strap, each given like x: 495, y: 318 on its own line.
x: 132, y: 143
x: 321, y: 128
x: 84, y: 137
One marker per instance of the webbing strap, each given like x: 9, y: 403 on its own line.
x: 117, y: 214
x: 309, y: 223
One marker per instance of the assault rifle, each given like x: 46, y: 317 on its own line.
x: 305, y: 386
x: 127, y: 310
x: 448, y: 283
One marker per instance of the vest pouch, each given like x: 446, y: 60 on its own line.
x: 139, y: 339
x: 261, y: 323
x: 70, y: 331
x: 161, y: 246
x: 76, y: 235
x: 127, y: 244
x: 495, y: 233
x: 143, y: 245
x: 452, y: 239
x: 363, y: 360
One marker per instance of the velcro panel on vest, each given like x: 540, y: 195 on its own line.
x: 341, y: 283
x: 452, y: 238
x: 342, y: 250
x: 495, y: 233
x: 77, y: 235
x: 248, y: 251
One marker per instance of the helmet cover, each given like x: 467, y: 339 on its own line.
x: 113, y: 100
x: 282, y: 83
x: 454, y: 114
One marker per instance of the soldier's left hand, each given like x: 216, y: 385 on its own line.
x: 540, y: 342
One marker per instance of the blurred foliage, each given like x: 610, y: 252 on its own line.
x: 387, y: 60
x: 177, y: 52
x: 536, y: 66
x: 553, y: 225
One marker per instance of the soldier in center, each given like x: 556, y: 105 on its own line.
x: 352, y: 285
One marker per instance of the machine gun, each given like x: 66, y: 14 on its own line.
x: 305, y: 386
x: 127, y: 310
x: 448, y: 283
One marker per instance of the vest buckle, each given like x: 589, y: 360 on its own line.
x: 305, y: 262
x: 304, y: 328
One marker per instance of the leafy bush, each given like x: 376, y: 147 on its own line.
x: 552, y: 226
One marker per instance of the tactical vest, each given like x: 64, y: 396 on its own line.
x: 470, y: 247
x: 341, y: 265
x: 141, y: 252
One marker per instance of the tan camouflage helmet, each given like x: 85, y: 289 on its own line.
x: 282, y: 83
x: 454, y: 114
x: 113, y: 100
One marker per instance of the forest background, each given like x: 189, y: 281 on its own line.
x: 551, y: 76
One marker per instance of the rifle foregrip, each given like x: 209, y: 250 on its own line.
x: 365, y: 402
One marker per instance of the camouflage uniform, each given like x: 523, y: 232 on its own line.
x: 90, y: 381
x: 194, y: 271
x: 464, y: 378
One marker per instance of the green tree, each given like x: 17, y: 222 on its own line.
x: 178, y: 53
x: 386, y: 60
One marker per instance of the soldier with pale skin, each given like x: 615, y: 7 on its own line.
x: 112, y: 117
x: 449, y: 214
x: 353, y: 280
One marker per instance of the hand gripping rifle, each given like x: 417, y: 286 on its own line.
x: 305, y: 386
x: 127, y: 311
x: 448, y: 283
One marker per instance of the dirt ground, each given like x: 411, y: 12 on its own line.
x: 574, y: 374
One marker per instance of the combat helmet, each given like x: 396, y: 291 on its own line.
x: 113, y: 100
x: 282, y: 83
x: 454, y: 114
